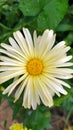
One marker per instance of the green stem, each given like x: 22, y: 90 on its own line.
x: 69, y: 114
x: 4, y: 26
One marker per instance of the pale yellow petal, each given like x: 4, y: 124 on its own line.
x: 7, y: 75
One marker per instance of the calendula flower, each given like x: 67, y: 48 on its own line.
x: 69, y: 128
x: 37, y: 66
x: 18, y: 126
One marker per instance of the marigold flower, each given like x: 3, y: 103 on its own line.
x: 18, y: 126
x: 37, y: 66
x: 69, y: 128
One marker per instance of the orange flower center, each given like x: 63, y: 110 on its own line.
x: 35, y: 67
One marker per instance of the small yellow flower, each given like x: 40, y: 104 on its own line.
x: 2, y: 88
x: 18, y: 126
x: 69, y: 128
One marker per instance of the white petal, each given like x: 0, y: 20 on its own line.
x: 67, y: 58
x: 26, y: 101
x: 36, y: 47
x: 44, y: 94
x: 48, y: 46
x: 5, y: 76
x: 56, y: 55
x: 14, y: 44
x: 29, y: 99
x: 36, y: 91
x: 43, y: 38
x: 47, y: 41
x: 20, y: 89
x: 11, y: 49
x: 51, y: 39
x: 12, y: 55
x: 7, y: 59
x: 10, y: 64
x: 8, y: 68
x: 35, y: 37
x: 64, y: 64
x: 21, y: 41
x: 59, y: 45
x: 61, y: 82
x: 59, y: 71
x: 56, y: 85
x: 28, y: 39
x: 12, y: 86
x: 50, y: 85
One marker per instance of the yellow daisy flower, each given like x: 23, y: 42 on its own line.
x: 37, y: 66
x: 69, y: 128
x: 18, y: 126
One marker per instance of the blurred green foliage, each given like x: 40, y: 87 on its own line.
x: 39, y: 15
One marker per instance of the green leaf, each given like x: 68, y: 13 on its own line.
x: 59, y: 100
x: 29, y: 7
x: 38, y: 119
x: 16, y: 109
x: 33, y: 7
x: 40, y: 122
x: 69, y: 39
x: 2, y: 2
x: 65, y: 27
x: 70, y: 9
x: 52, y: 14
